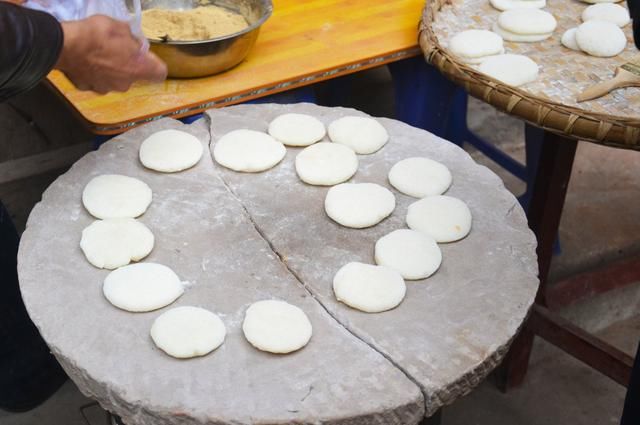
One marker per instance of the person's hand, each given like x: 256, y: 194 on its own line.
x: 100, y: 54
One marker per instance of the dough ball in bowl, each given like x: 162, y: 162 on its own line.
x: 514, y: 70
x: 359, y: 205
x: 297, y: 129
x: 362, y: 134
x: 169, y: 151
x: 276, y: 326
x: 185, y: 332
x: 116, y: 196
x: 369, y: 288
x: 473, y: 46
x: 248, y: 151
x: 601, y: 38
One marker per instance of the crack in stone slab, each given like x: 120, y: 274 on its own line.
x: 310, y: 292
x: 476, y: 355
x: 297, y: 276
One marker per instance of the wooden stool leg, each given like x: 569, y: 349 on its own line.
x: 547, y: 199
x: 549, y: 191
x: 514, y: 367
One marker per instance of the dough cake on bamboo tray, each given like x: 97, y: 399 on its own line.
x: 550, y: 101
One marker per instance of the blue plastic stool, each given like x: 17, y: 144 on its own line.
x: 423, y: 97
x: 191, y: 118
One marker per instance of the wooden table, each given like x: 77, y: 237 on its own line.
x: 243, y: 237
x: 304, y: 42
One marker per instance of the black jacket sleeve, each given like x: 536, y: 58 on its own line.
x: 634, y: 11
x: 30, y: 43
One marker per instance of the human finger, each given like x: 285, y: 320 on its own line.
x: 151, y: 68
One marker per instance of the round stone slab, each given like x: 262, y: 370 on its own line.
x: 204, y: 234
x: 452, y: 329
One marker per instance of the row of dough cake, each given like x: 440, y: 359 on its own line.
x: 117, y: 238
x: 402, y: 254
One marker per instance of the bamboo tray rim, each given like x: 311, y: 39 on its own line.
x: 606, y: 129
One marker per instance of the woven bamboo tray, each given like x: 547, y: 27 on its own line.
x: 549, y: 102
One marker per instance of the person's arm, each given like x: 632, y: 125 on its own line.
x: 98, y: 53
x: 30, y: 44
x: 101, y: 54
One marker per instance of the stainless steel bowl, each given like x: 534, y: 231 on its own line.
x: 190, y: 59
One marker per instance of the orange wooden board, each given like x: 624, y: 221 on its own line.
x: 305, y: 41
